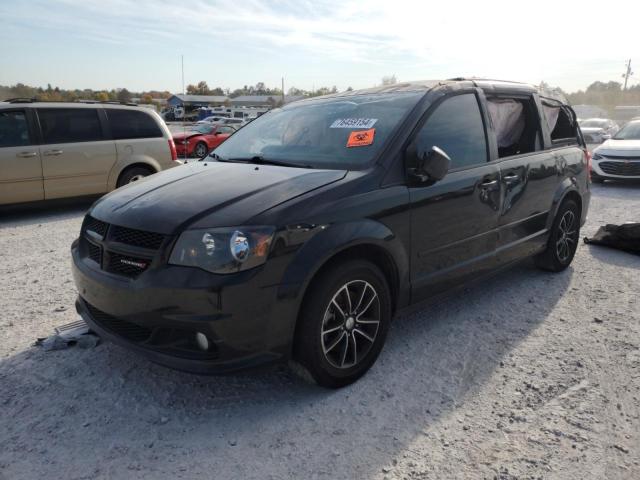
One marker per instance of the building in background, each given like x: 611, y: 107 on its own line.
x: 190, y: 102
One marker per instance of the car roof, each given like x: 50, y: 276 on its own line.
x: 36, y: 104
x: 490, y: 85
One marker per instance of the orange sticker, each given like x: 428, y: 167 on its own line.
x: 362, y: 138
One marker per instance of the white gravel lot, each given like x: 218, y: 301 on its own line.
x: 529, y: 375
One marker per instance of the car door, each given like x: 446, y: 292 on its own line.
x: 529, y: 181
x: 76, y: 155
x: 20, y: 164
x: 221, y: 134
x: 454, y: 221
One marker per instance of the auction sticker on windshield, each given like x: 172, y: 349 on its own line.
x: 354, y: 123
x: 361, y: 139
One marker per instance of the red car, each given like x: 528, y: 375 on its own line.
x: 201, y: 139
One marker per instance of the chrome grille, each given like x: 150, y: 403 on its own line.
x: 624, y: 169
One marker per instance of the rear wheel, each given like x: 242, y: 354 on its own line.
x: 343, y: 323
x: 563, y: 240
x: 201, y: 150
x: 132, y: 175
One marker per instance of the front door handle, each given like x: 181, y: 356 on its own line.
x: 26, y: 154
x: 52, y: 153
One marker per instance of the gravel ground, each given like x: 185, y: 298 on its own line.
x: 529, y: 375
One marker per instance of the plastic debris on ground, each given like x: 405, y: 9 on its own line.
x: 76, y: 333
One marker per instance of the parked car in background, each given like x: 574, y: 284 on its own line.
x: 212, y: 119
x: 201, y: 139
x: 301, y: 236
x: 597, y: 130
x: 618, y: 158
x: 56, y: 150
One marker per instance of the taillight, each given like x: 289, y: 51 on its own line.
x: 587, y: 156
x: 172, y: 148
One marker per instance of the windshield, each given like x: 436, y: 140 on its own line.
x: 593, y: 124
x: 339, y: 132
x: 631, y: 131
x: 203, y: 129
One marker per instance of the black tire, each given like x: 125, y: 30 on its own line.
x: 563, y: 240
x: 200, y: 150
x: 133, y: 174
x: 336, y: 349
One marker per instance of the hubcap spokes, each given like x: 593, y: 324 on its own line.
x: 350, y: 324
x: 135, y: 178
x: 567, y: 236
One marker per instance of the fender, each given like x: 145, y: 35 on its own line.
x: 329, y: 241
x: 128, y: 161
x: 569, y: 184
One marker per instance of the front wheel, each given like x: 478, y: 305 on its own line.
x: 201, y: 150
x: 563, y: 240
x: 343, y: 323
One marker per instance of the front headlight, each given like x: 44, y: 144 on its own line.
x: 596, y: 156
x: 223, y: 250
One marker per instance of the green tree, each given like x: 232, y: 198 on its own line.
x: 124, y: 95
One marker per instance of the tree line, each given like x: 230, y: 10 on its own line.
x: 606, y: 95
x: 56, y: 94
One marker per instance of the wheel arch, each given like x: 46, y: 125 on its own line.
x: 365, y: 240
x: 117, y: 173
x: 568, y: 189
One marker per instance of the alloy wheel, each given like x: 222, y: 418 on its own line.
x: 350, y: 324
x: 200, y: 150
x: 567, y: 238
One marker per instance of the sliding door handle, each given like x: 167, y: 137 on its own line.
x: 52, y: 153
x: 489, y: 183
x: 26, y: 154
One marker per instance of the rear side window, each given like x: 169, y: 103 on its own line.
x: 127, y: 124
x: 516, y: 125
x: 561, y: 124
x: 14, y: 130
x: 456, y: 127
x: 69, y: 125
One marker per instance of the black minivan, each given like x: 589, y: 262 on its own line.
x: 300, y: 236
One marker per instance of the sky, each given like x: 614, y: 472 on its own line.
x: 105, y: 44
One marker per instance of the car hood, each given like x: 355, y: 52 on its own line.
x: 626, y: 148
x: 209, y: 194
x: 182, y: 136
x: 592, y: 129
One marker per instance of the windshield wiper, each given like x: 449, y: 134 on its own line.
x: 260, y: 160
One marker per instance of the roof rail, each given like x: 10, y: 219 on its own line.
x: 108, y: 102
x: 20, y: 100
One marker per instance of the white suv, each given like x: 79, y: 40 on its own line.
x: 56, y: 150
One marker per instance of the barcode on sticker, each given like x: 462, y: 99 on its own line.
x: 360, y: 123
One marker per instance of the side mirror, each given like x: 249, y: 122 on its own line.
x: 432, y: 167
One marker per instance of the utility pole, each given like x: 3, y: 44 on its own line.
x: 627, y: 74
x: 182, y: 60
x: 282, y: 90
